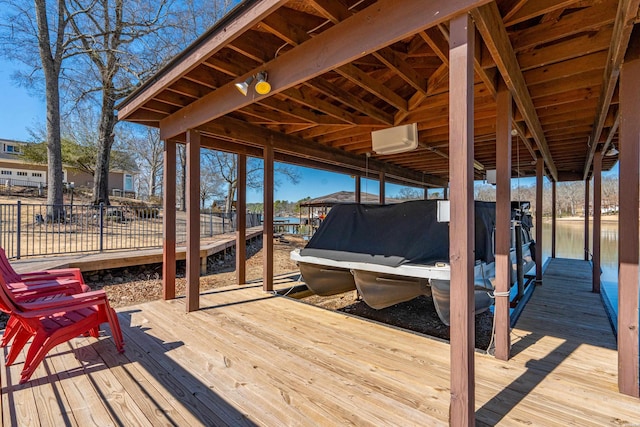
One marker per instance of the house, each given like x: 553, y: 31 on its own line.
x: 16, y: 170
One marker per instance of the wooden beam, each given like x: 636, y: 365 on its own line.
x: 358, y: 189
x: 587, y: 197
x: 169, y: 221
x: 628, y: 375
x: 193, y: 221
x: 382, y: 188
x: 597, y: 221
x: 332, y: 10
x: 224, y: 32
x: 495, y: 36
x: 216, y: 143
x: 267, y: 221
x: 392, y: 60
x: 356, y: 76
x: 533, y: 9
x: 625, y: 18
x: 352, y: 101
x: 241, y: 220
x: 612, y: 132
x: 503, y: 222
x: 230, y: 128
x: 377, y: 26
x: 554, y: 209
x: 294, y: 35
x: 461, y: 230
x: 538, y: 227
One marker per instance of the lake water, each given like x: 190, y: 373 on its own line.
x: 570, y: 244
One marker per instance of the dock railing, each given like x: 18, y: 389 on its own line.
x: 29, y: 229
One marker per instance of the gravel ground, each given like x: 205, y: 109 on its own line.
x: 129, y: 286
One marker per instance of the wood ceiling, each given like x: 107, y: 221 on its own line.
x: 560, y: 60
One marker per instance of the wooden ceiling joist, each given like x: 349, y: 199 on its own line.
x: 489, y: 24
x: 230, y: 128
x: 386, y: 21
x: 626, y: 15
x: 535, y: 8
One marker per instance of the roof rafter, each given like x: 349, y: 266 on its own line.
x: 230, y: 128
x: 625, y: 17
x: 385, y: 22
x: 489, y: 24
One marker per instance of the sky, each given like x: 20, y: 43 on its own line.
x: 18, y: 109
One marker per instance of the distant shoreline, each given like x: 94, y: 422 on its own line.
x: 604, y: 218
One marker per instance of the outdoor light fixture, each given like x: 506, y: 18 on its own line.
x: 612, y: 151
x: 243, y: 87
x: 262, y: 85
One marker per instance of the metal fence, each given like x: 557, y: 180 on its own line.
x: 28, y: 229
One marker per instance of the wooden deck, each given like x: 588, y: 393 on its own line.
x: 250, y: 358
x: 127, y: 258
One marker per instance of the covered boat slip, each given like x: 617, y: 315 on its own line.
x: 231, y: 364
x: 527, y: 87
x: 394, y: 253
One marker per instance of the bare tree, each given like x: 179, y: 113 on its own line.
x: 225, y: 166
x: 106, y: 31
x: 211, y: 186
x: 148, y: 150
x: 36, y: 37
x: 182, y: 176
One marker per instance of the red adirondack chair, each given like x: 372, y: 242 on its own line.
x: 55, y: 321
x: 37, y: 287
x: 11, y: 275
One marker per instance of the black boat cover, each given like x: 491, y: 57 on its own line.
x: 392, y: 235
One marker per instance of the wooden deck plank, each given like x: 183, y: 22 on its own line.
x: 270, y: 351
x: 19, y: 403
x: 235, y: 374
x: 48, y: 398
x: 192, y: 394
x: 145, y: 389
x: 114, y: 396
x: 82, y: 399
x: 251, y: 358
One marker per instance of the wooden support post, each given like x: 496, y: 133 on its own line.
x: 241, y: 220
x: 425, y: 193
x: 629, y: 133
x: 382, y: 188
x: 169, y: 221
x: 461, y: 227
x: 553, y: 219
x: 267, y: 231
x: 503, y: 221
x: 587, y: 197
x: 539, y: 186
x: 445, y: 191
x: 597, y: 219
x: 358, y: 196
x: 193, y: 220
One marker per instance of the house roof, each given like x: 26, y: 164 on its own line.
x: 342, y: 69
x: 345, y: 197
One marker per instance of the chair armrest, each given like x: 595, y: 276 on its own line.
x: 74, y: 274
x: 47, y: 283
x: 65, y: 303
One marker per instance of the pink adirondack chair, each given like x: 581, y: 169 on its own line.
x: 55, y: 321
